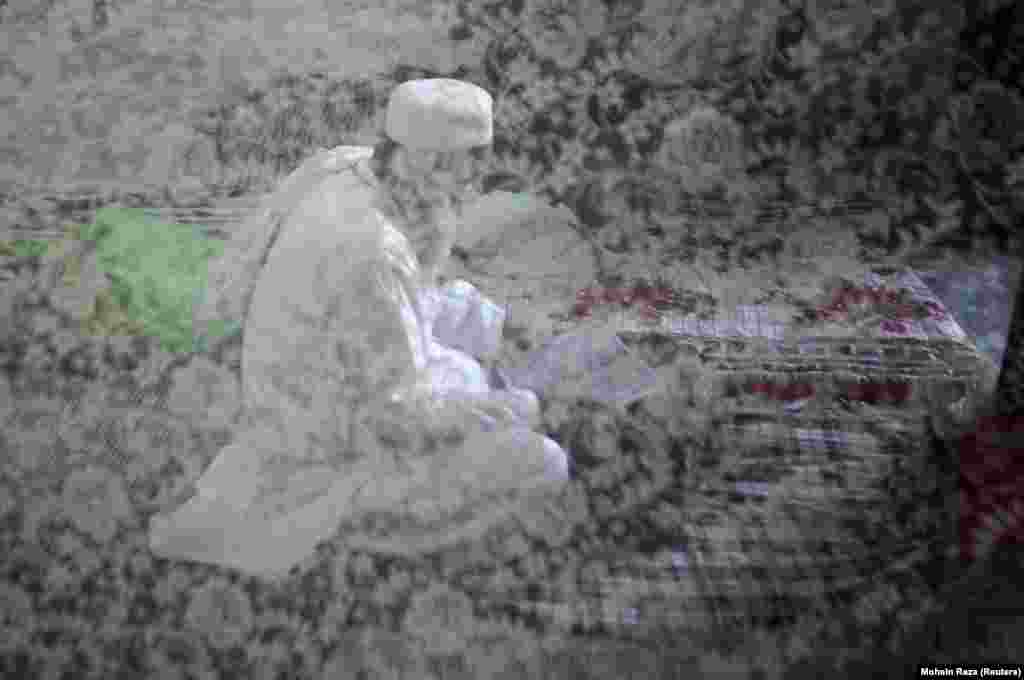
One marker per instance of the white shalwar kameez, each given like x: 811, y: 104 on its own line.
x: 338, y: 355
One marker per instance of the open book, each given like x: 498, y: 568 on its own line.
x: 589, y: 362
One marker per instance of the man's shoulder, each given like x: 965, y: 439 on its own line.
x: 347, y: 175
x: 342, y: 185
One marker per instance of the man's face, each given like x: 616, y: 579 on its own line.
x: 451, y: 172
x: 429, y: 188
x: 426, y: 189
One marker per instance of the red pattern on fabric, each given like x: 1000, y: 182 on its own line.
x: 991, y: 481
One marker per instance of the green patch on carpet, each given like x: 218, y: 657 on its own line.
x: 158, y: 271
x: 23, y: 248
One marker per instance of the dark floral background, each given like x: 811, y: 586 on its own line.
x: 909, y: 105
x: 898, y: 114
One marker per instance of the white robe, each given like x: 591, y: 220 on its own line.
x: 344, y: 389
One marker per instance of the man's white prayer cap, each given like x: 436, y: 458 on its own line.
x: 440, y: 114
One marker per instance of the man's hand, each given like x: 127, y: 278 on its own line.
x: 341, y: 157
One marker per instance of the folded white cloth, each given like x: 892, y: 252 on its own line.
x: 450, y: 370
x: 459, y: 317
x: 591, y: 363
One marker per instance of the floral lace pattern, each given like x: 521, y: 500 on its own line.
x: 578, y: 95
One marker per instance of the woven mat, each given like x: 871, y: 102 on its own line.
x: 776, y: 510
x: 792, y: 497
x: 874, y: 339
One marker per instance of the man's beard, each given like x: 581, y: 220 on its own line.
x: 425, y: 215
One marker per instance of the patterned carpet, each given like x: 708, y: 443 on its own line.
x: 708, y: 529
x: 727, y: 528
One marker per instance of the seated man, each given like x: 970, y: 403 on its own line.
x: 351, y: 408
